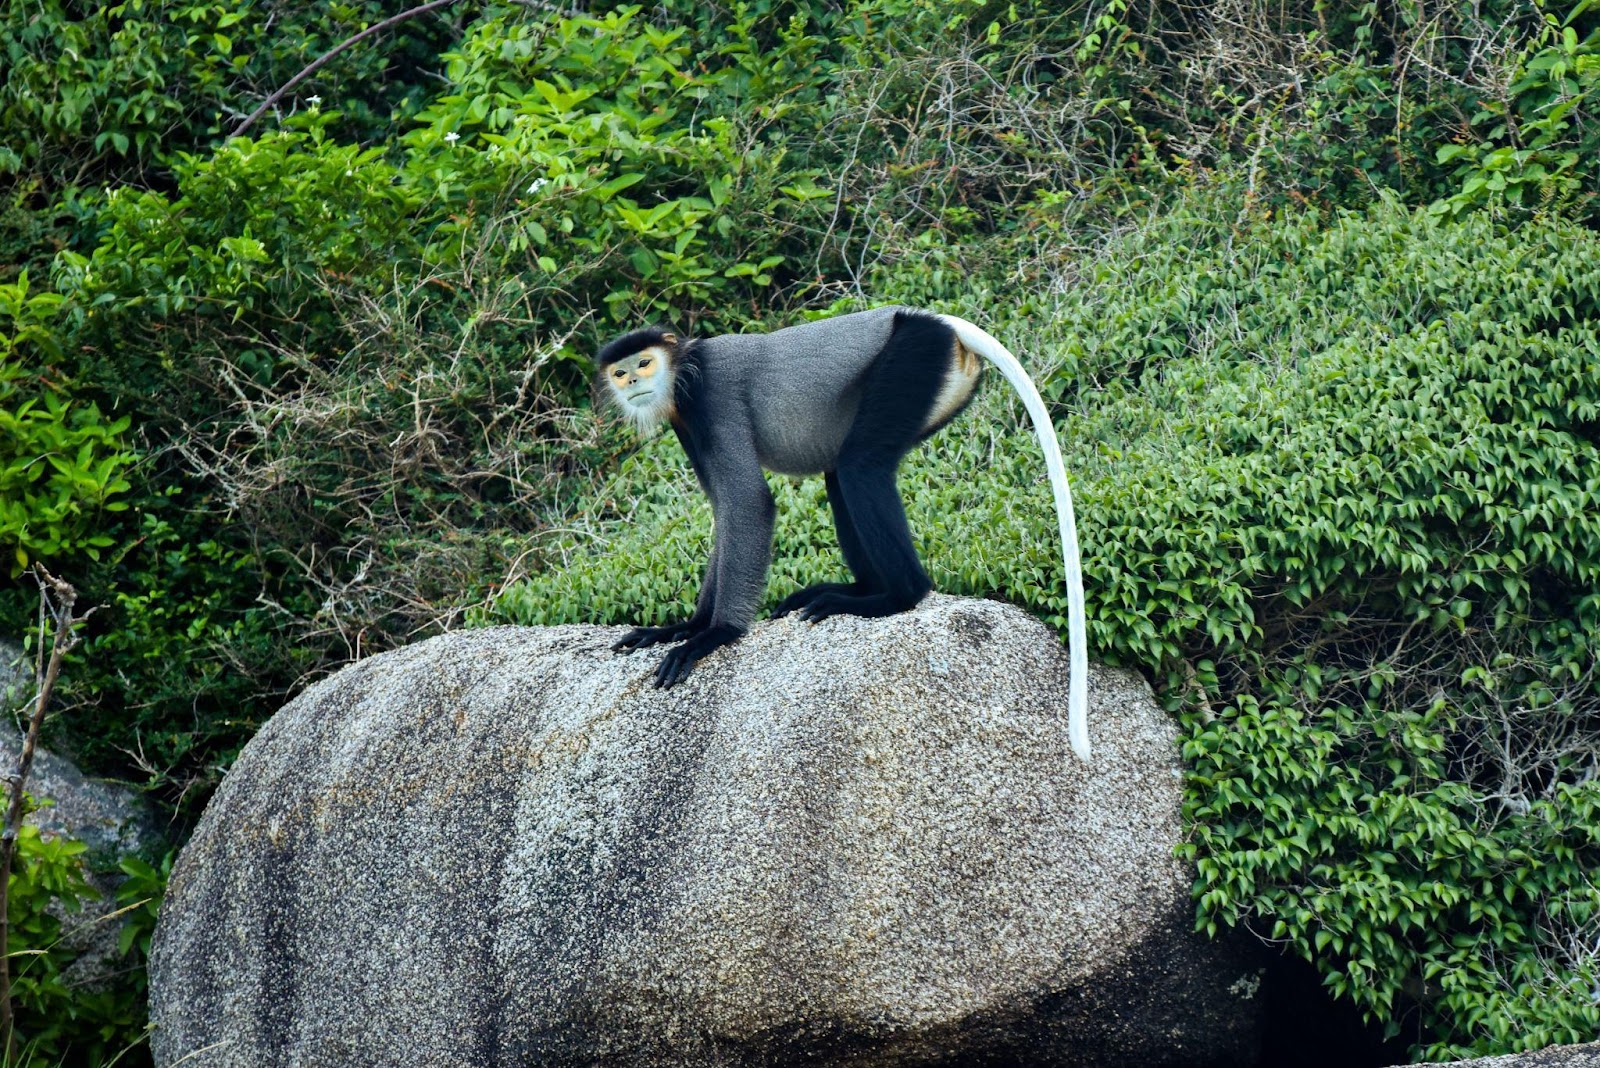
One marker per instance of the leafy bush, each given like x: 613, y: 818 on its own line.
x: 1535, y: 143
x: 229, y: 273
x: 547, y: 128
x: 102, y: 95
x: 57, y: 1021
x: 47, y: 881
x: 1339, y: 487
x: 61, y: 461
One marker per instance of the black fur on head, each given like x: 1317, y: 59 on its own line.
x: 628, y: 344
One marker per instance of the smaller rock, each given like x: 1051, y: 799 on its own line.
x: 111, y: 820
x: 1584, y: 1056
x: 16, y: 675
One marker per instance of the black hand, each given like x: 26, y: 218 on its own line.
x: 644, y: 637
x: 677, y: 664
x: 801, y: 598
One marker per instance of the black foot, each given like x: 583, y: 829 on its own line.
x: 644, y: 637
x: 800, y: 598
x: 872, y: 606
x: 677, y: 664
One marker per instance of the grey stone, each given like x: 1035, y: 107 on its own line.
x: 864, y: 842
x: 113, y: 821
x: 1584, y: 1056
x: 16, y: 676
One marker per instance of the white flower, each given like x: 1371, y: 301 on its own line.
x: 538, y: 184
x: 452, y: 137
x: 314, y: 101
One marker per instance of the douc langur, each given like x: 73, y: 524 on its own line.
x: 845, y: 397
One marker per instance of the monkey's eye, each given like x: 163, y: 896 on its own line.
x: 619, y: 374
x: 646, y: 362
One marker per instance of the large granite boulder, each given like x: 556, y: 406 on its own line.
x: 863, y: 842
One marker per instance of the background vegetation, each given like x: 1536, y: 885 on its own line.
x: 1315, y: 290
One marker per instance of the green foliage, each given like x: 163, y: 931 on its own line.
x: 584, y: 138
x: 45, y: 872
x: 102, y: 95
x: 57, y: 1020
x: 47, y: 882
x: 1338, y: 483
x: 187, y: 622
x: 61, y: 462
x: 1535, y: 146
x: 255, y: 228
x: 143, y: 889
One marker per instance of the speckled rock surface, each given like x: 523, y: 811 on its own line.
x: 110, y: 819
x: 1584, y: 1056
x: 16, y: 675
x: 865, y: 842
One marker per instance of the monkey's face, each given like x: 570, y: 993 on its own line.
x: 641, y: 384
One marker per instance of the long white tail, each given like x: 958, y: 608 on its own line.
x: 984, y: 344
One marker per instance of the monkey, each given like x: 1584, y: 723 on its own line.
x: 846, y: 397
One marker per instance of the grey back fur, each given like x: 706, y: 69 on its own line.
x: 799, y: 386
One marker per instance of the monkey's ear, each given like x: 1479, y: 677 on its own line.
x: 669, y: 339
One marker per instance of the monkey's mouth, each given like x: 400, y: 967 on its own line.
x: 639, y: 396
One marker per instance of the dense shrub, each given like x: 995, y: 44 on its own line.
x: 59, y: 1018
x: 102, y: 95
x: 61, y: 461
x: 1339, y: 487
x: 186, y: 622
x: 1534, y: 145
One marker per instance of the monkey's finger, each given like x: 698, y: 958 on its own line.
x: 644, y: 637
x: 795, y: 602
x: 675, y: 667
x: 817, y: 610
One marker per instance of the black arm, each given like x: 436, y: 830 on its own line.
x: 743, y: 511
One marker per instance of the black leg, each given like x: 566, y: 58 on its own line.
x: 644, y: 637
x: 896, y: 399
x: 855, y: 558
x: 873, y: 504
